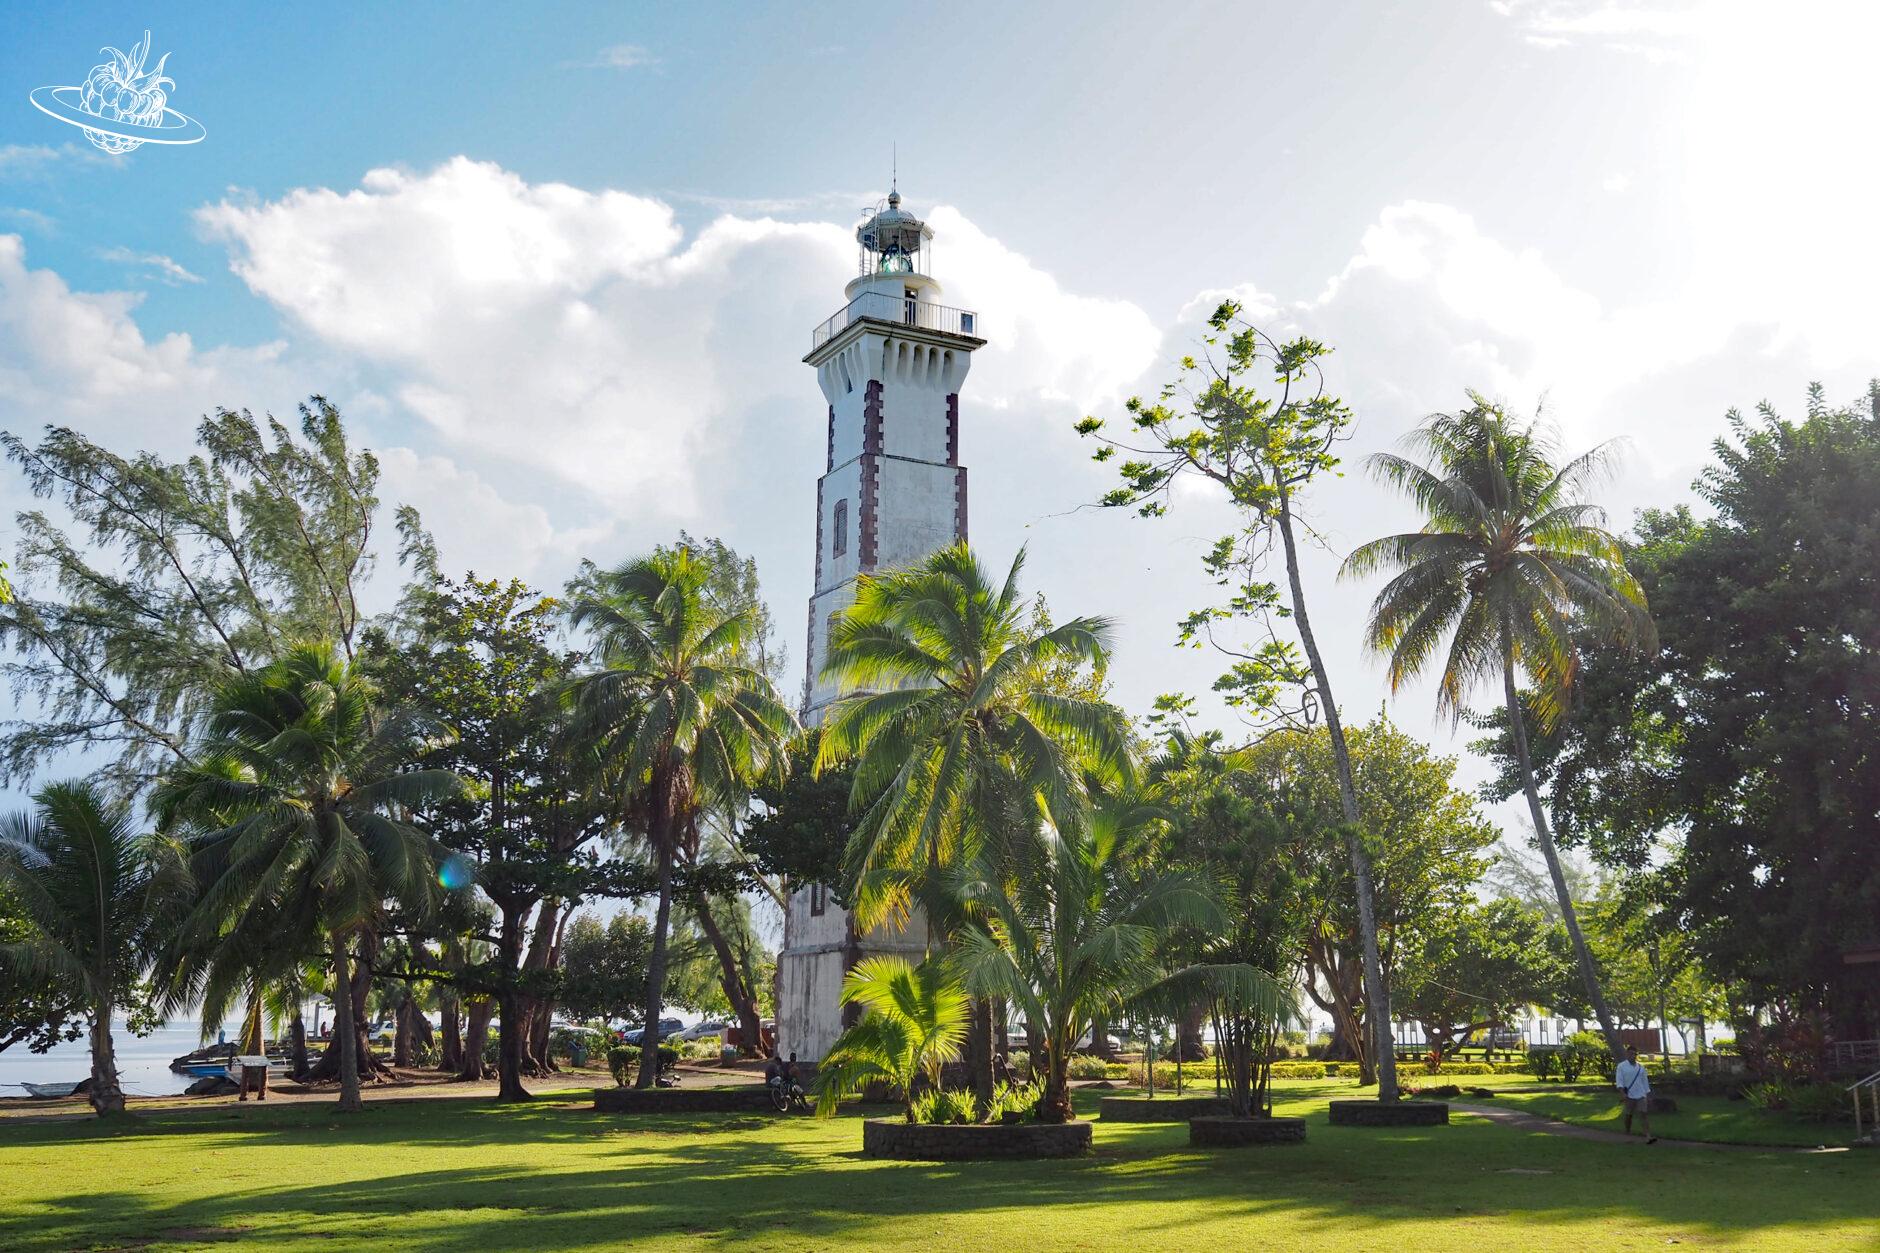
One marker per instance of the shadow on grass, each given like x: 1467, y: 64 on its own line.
x: 600, y: 1178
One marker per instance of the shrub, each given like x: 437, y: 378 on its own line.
x: 945, y: 1105
x: 1012, y: 1098
x: 1084, y: 1066
x: 1334, y: 1069
x: 623, y: 1061
x: 1769, y: 1096
x: 1544, y: 1063
x: 1823, y: 1102
x: 1723, y: 1044
x: 1300, y: 1070
x: 1020, y: 1062
x: 705, y: 1048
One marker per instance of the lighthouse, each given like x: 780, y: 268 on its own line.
x: 889, y: 363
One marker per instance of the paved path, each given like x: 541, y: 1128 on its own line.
x: 1553, y: 1127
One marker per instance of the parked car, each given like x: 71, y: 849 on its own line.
x: 699, y: 1030
x: 667, y: 1026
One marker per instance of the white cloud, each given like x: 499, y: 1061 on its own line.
x: 164, y: 268
x: 621, y: 57
x: 581, y: 333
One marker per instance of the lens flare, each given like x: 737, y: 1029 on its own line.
x: 456, y: 872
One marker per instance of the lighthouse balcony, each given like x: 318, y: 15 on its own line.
x: 897, y: 311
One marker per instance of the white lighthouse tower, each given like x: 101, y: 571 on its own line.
x: 890, y: 364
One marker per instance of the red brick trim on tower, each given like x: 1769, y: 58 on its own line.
x: 953, y: 428
x: 871, y: 417
x: 959, y: 504
x: 830, y: 464
x: 809, y: 666
x: 867, y: 534
x: 819, y: 534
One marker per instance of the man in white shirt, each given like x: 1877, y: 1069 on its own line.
x: 1636, y: 1087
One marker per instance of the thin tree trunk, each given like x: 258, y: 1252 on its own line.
x: 731, y: 978
x: 253, y: 1042
x: 1544, y: 836
x: 656, y: 969
x: 107, y: 1095
x: 1376, y: 993
x: 348, y: 1040
x: 536, y: 1011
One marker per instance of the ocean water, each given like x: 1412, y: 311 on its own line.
x: 143, y: 1064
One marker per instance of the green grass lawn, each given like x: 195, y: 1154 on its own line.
x: 453, y: 1174
x: 1713, y: 1118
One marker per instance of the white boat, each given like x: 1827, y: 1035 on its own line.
x: 48, y: 1091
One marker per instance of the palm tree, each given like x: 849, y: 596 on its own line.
x: 956, y: 735
x: 685, y: 724
x: 1513, y: 565
x: 1073, y: 932
x: 96, y: 898
x: 914, y: 1022
x: 298, y: 801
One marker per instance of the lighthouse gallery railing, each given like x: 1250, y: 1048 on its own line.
x: 882, y: 307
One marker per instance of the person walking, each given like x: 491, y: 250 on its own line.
x: 1636, y: 1087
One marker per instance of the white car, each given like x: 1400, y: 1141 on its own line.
x: 699, y: 1030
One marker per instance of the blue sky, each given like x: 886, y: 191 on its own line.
x: 559, y: 262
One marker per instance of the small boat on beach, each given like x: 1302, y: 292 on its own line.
x: 51, y: 1091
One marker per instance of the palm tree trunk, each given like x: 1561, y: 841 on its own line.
x: 979, y: 1052
x: 1376, y: 993
x: 1544, y: 836
x: 107, y: 1096
x: 349, y: 1098
x: 1055, y: 1105
x: 656, y: 969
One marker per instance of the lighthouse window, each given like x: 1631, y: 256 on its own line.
x: 818, y: 895
x: 841, y: 529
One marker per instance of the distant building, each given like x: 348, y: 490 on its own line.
x: 890, y: 364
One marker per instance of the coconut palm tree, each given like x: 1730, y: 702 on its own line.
x: 1513, y: 566
x: 956, y: 735
x: 913, y: 1022
x: 96, y: 897
x: 297, y: 802
x: 1073, y: 932
x: 685, y: 724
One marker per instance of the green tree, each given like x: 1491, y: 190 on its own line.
x: 1431, y: 845
x: 478, y: 656
x: 295, y: 800
x: 172, y: 574
x: 1263, y: 451
x: 94, y: 899
x: 799, y: 834
x: 1752, y: 731
x: 913, y: 1020
x: 604, y: 966
x: 685, y: 724
x: 39, y: 1011
x: 1071, y: 930
x: 1514, y: 567
x: 1235, y: 830
x: 957, y: 742
x: 1476, y: 967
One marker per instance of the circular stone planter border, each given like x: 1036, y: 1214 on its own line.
x: 1160, y: 1108
x: 1227, y: 1132
x: 937, y: 1142
x: 1401, y: 1114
